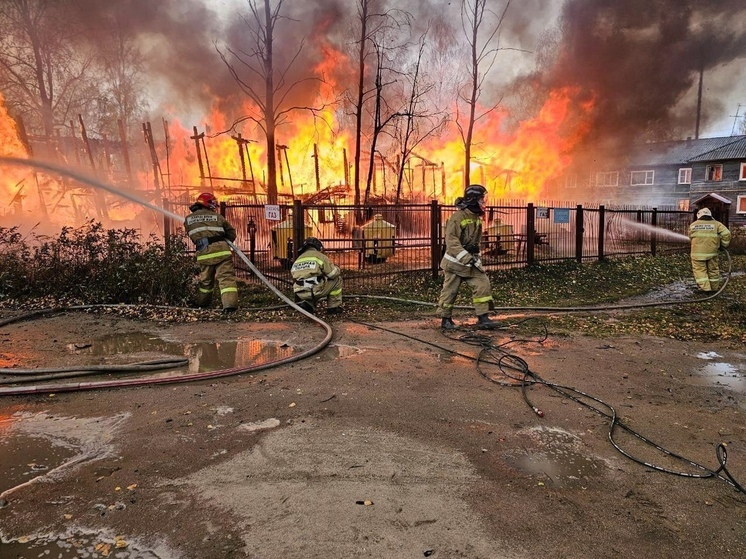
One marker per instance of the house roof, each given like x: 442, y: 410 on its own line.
x: 733, y: 150
x: 684, y: 151
x: 714, y: 195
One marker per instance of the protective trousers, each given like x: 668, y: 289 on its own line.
x: 224, y: 273
x: 481, y: 296
x: 331, y: 289
x: 707, y: 274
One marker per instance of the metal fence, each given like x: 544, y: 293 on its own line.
x: 373, y: 243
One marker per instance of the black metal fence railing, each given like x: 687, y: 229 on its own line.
x: 372, y: 243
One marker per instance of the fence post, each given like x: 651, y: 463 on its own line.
x: 435, y: 255
x: 653, y: 234
x: 299, y: 232
x: 601, y: 230
x: 530, y: 233
x: 251, y: 229
x: 579, y: 230
x: 223, y: 207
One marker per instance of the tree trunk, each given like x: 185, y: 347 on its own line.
x: 360, y: 93
x: 269, y: 108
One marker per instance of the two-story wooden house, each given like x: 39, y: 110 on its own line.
x: 686, y: 174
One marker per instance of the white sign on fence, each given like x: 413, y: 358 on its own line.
x: 272, y: 212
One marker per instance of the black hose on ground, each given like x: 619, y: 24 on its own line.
x: 508, y: 361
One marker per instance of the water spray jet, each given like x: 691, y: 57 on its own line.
x: 660, y: 232
x: 73, y: 387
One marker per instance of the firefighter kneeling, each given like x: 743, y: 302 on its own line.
x: 316, y: 277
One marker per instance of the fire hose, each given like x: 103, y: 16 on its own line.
x: 492, y: 354
x: 167, y: 379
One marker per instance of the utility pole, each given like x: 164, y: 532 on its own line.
x: 167, y: 136
x: 243, y: 153
x: 735, y: 119
x: 699, y: 101
x: 148, y: 133
x: 197, y: 137
x: 280, y: 150
x: 316, y: 166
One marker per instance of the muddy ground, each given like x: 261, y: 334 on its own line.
x: 378, y: 446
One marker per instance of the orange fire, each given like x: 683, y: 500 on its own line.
x: 313, y: 149
x: 15, y: 183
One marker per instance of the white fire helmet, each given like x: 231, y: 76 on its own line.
x: 704, y: 212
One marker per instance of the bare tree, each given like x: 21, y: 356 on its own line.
x: 43, y: 63
x: 483, y: 54
x: 271, y: 100
x: 120, y: 70
x: 416, y: 124
x: 378, y: 29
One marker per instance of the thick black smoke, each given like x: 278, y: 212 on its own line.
x: 640, y: 60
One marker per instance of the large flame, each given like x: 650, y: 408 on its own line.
x: 312, y: 150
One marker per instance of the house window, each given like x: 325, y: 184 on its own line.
x: 684, y: 205
x: 741, y: 205
x: 571, y: 181
x: 642, y: 178
x: 685, y: 176
x: 714, y: 173
x: 742, y: 174
x: 607, y: 178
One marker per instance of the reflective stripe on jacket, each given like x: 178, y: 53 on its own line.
x: 707, y: 236
x: 463, y: 228
x: 207, y: 224
x: 312, y: 268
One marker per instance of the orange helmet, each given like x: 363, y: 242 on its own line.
x: 208, y: 200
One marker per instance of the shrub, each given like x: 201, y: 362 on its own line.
x: 94, y: 265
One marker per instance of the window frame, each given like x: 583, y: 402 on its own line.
x: 715, y: 167
x: 741, y: 199
x: 742, y: 173
x: 648, y: 172
x: 609, y: 175
x: 688, y: 175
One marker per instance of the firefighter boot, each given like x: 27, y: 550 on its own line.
x: 448, y: 324
x: 484, y: 322
x: 306, y: 306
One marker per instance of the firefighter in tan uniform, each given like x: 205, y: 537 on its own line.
x: 462, y: 261
x: 316, y: 277
x: 708, y: 236
x: 209, y: 231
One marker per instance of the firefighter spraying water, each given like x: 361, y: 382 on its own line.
x: 708, y: 236
x: 209, y: 231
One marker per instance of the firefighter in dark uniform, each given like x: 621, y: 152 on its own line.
x: 316, y: 277
x: 462, y: 260
x: 209, y: 231
x: 708, y: 235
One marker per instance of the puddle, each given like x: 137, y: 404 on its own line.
x: 722, y: 374
x: 203, y: 356
x: 24, y: 458
x: 35, y: 448
x: 75, y: 547
x: 562, y: 460
x: 335, y: 351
